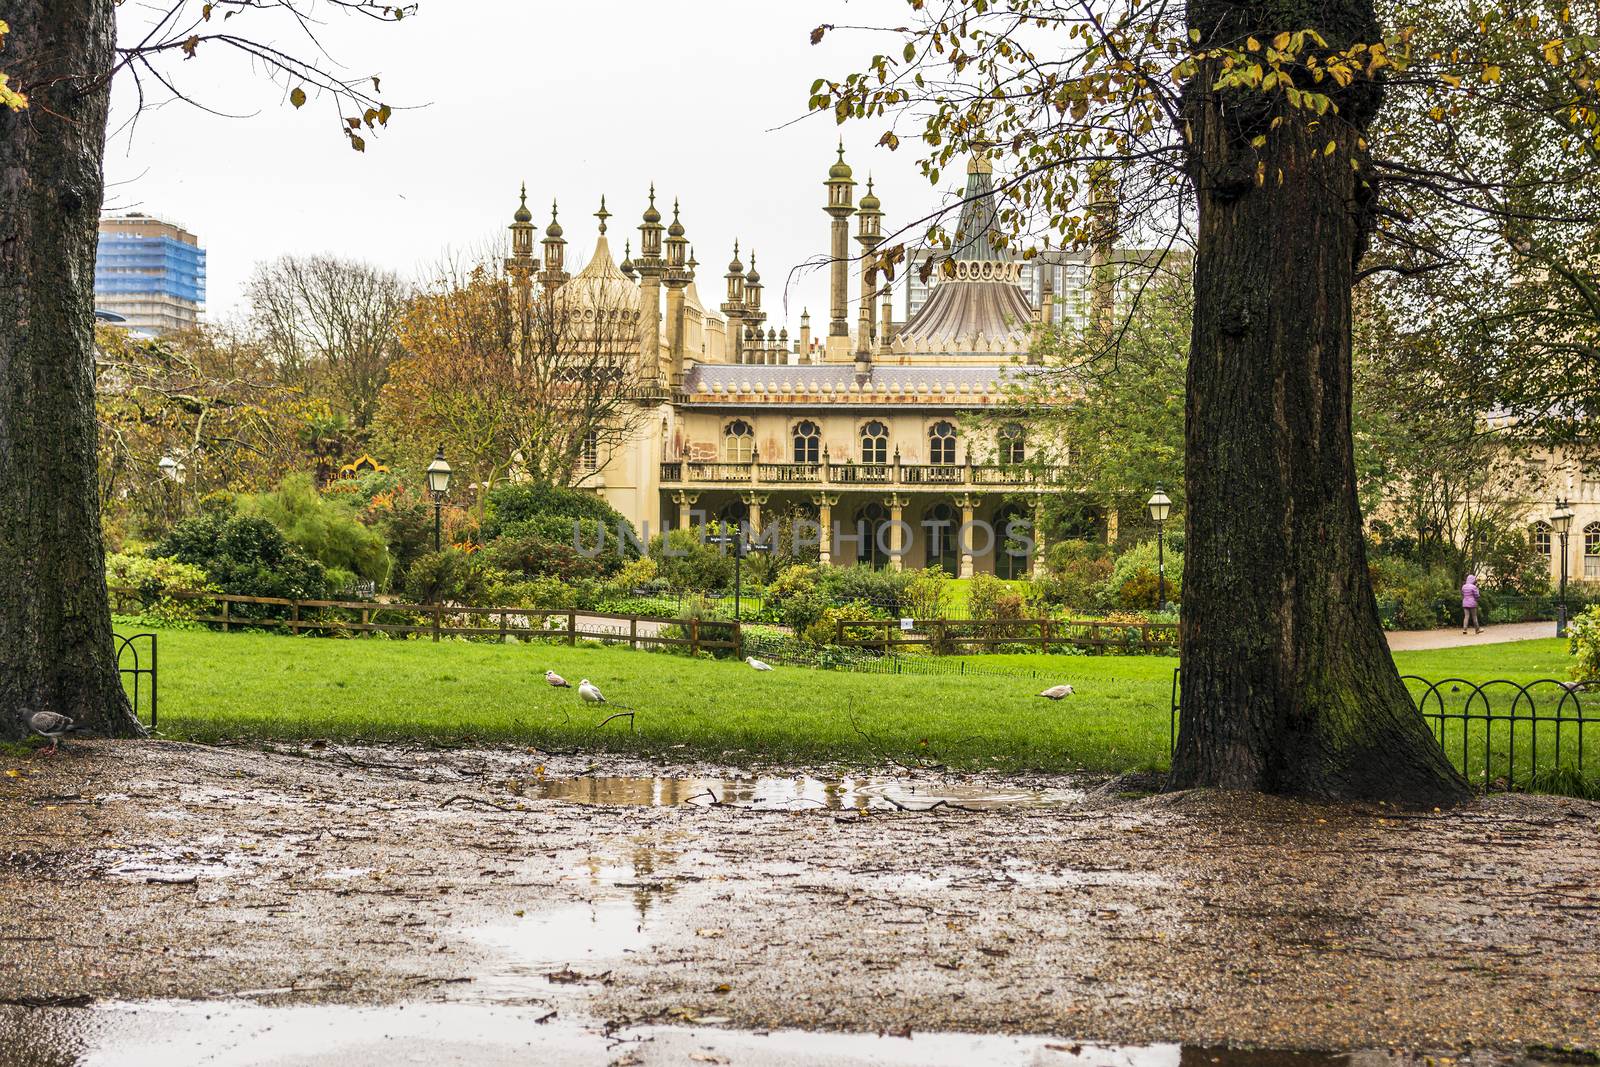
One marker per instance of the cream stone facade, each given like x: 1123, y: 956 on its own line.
x: 872, y: 429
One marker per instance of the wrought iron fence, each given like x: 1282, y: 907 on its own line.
x: 1501, y: 733
x: 136, y: 662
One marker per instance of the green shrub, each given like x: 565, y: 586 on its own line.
x: 1076, y: 573
x: 245, y: 555
x: 448, y: 577
x: 884, y: 589
x: 325, y: 528
x: 513, y: 502
x: 928, y: 593
x: 825, y: 629
x: 502, y: 589
x: 992, y: 600
x: 527, y: 549
x: 1134, y: 579
x: 1583, y: 642
x: 688, y: 562
x: 154, y: 579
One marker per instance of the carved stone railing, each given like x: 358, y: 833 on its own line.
x: 896, y: 474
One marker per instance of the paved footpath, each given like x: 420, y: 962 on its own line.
x: 1414, y: 640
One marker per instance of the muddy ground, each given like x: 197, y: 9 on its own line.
x: 384, y: 876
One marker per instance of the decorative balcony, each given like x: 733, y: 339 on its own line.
x: 759, y: 474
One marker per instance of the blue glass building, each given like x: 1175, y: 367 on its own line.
x: 151, y: 272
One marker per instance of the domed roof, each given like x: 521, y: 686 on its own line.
x: 754, y: 277
x: 676, y: 229
x: 600, y: 284
x: 523, y: 214
x: 651, y: 215
x: 734, y: 266
x: 870, y: 202
x: 554, y: 229
x: 840, y: 171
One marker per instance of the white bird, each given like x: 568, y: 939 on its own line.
x: 589, y: 693
x: 556, y: 680
x: 1056, y: 692
x: 757, y: 664
x: 50, y: 724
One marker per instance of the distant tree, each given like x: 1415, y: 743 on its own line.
x: 55, y: 618
x: 331, y: 326
x: 544, y: 391
x: 208, y: 399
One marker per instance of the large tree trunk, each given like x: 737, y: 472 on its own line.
x: 1288, y: 685
x: 55, y: 623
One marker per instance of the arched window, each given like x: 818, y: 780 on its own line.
x: 738, y: 442
x: 1011, y: 549
x: 589, y: 457
x: 1591, y: 550
x: 941, y: 443
x: 807, y: 442
x: 1541, y: 538
x: 873, y: 549
x: 733, y: 514
x: 943, y: 523
x: 1013, y: 444
x: 874, y: 443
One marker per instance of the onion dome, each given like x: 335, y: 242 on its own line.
x: 627, y: 260
x: 651, y: 215
x: 840, y: 171
x: 676, y: 229
x: 523, y: 214
x: 870, y: 202
x: 734, y: 266
x: 754, y: 277
x: 554, y: 229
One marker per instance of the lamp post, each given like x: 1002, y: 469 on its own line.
x: 1561, y: 522
x: 438, y: 485
x: 1160, y: 506
x: 172, y: 472
x: 742, y: 547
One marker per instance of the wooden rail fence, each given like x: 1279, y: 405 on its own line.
x: 330, y: 618
x: 952, y: 634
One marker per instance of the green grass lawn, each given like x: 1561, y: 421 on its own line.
x: 265, y: 686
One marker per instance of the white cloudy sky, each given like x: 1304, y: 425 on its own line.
x: 578, y: 99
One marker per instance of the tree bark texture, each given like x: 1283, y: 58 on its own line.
x: 1288, y: 684
x: 56, y: 648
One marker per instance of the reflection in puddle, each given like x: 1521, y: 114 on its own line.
x: 574, y: 944
x: 798, y: 792
x: 227, y: 1034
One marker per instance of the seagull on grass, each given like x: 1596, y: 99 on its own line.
x: 590, y: 695
x: 50, y: 724
x: 1056, y: 692
x: 757, y: 664
x: 556, y: 680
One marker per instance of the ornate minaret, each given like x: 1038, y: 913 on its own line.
x: 650, y: 266
x: 553, y: 276
x: 805, y: 335
x: 676, y: 279
x: 626, y: 266
x: 869, y: 235
x: 753, y: 315
x: 839, y: 208
x: 520, y: 263
x: 733, y: 307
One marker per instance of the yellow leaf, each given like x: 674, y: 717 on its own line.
x: 1491, y: 74
x: 1330, y: 149
x: 1450, y: 80
x: 297, y: 96
x: 1281, y: 41
x: 12, y: 772
x: 1258, y: 141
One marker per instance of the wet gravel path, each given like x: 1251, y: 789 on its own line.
x: 371, y: 876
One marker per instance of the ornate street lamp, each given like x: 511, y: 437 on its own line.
x: 169, y: 468
x: 438, y: 485
x: 734, y: 537
x: 1561, y: 522
x: 1160, y: 506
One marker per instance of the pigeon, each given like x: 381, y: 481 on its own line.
x: 556, y: 680
x: 1056, y: 692
x: 50, y: 724
x: 589, y: 693
x: 1574, y: 687
x: 757, y: 664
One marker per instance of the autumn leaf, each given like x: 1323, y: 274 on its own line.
x: 297, y: 96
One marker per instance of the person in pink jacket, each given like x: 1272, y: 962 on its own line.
x: 1469, y: 605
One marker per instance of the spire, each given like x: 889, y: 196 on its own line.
x: 602, y: 214
x: 734, y: 266
x: 651, y: 215
x: 554, y: 229
x: 676, y: 229
x: 626, y: 266
x: 523, y: 214
x: 693, y: 263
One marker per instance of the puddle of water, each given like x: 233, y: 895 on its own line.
x: 232, y: 1034
x: 798, y: 792
x: 572, y: 945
